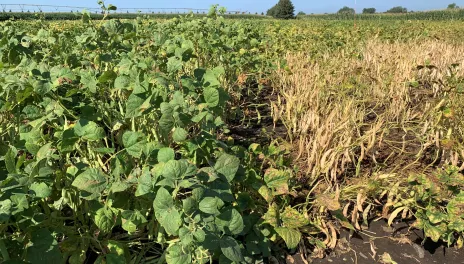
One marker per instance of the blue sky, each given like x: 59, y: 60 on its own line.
x: 307, y: 6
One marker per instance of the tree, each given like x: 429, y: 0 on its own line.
x: 301, y: 13
x: 398, y: 9
x: 369, y: 10
x: 346, y: 10
x: 453, y: 6
x: 284, y: 9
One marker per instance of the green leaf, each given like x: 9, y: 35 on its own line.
x: 210, y: 79
x: 272, y: 215
x: 5, y: 210
x: 176, y: 255
x: 166, y: 154
x: 89, y: 81
x: 92, y: 180
x: 44, y: 152
x: 122, y: 82
x: 291, y: 236
x: 211, y: 96
x: 278, y: 180
x: 291, y: 218
x: 43, y: 249
x: 227, y: 165
x: 230, y: 221
x: 166, y: 213
x: 131, y: 220
x: 145, y: 184
x: 41, y: 190
x: 107, y: 76
x: 89, y: 130
x: 179, y: 134
x: 10, y: 161
x: 231, y: 249
x: 186, y: 236
x: 104, y: 219
x: 163, y: 200
x: 210, y: 205
x: 174, y: 65
x: 136, y: 105
x: 133, y: 142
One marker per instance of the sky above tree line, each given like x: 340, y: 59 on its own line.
x: 307, y: 6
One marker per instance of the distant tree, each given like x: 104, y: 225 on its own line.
x: 398, y: 9
x: 301, y: 13
x: 346, y: 10
x: 272, y: 11
x: 262, y: 13
x: 453, y: 6
x: 369, y: 10
x: 284, y: 9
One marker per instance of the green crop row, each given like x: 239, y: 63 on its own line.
x: 428, y: 15
x: 77, y: 16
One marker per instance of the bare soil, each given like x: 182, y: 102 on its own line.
x: 402, y: 243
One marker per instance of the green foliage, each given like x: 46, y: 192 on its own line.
x: 284, y: 9
x: 397, y: 9
x: 437, y: 202
x: 346, y: 10
x: 453, y: 6
x: 369, y: 10
x: 112, y: 145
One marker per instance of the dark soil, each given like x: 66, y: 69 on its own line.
x: 404, y: 245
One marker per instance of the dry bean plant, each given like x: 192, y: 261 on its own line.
x: 361, y: 121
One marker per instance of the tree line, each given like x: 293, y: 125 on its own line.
x: 285, y: 9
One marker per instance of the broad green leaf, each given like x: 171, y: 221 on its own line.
x: 92, y: 180
x: 145, y: 184
x: 210, y: 79
x: 136, y: 105
x: 231, y: 249
x: 176, y: 255
x: 131, y: 220
x: 291, y: 236
x: 189, y: 205
x: 278, y: 180
x: 43, y: 249
x: 107, y: 76
x: 291, y: 218
x: 210, y: 205
x: 44, y: 151
x: 174, y: 65
x: 170, y: 219
x: 166, y: 213
x: 89, y: 130
x: 133, y: 142
x: 89, y: 81
x: 10, y: 161
x: 272, y: 215
x: 230, y: 221
x: 211, y: 96
x: 179, y: 134
x: 5, y: 210
x: 122, y: 82
x: 166, y: 124
x: 104, y: 219
x: 40, y: 190
x: 163, y: 200
x: 166, y: 154
x: 186, y: 236
x: 227, y: 165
